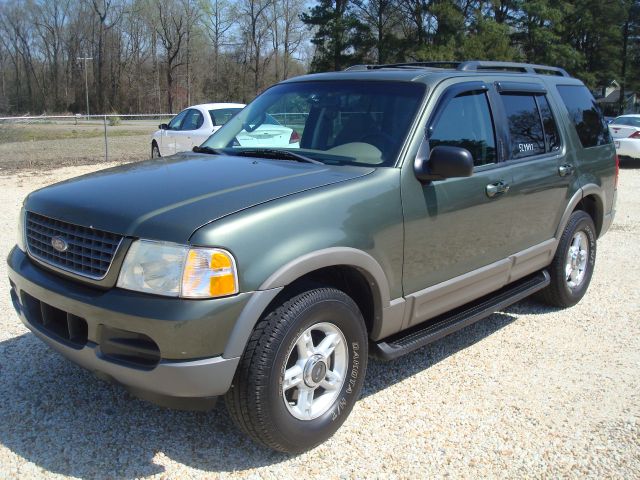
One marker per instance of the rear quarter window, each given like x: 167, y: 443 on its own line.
x: 585, y: 115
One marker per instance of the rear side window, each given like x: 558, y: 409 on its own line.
x: 525, y: 125
x: 585, y: 115
x: 466, y: 122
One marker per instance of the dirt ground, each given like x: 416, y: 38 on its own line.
x: 46, y: 145
x: 530, y: 392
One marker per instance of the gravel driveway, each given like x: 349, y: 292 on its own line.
x: 531, y: 391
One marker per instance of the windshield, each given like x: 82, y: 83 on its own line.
x: 335, y: 122
x: 630, y: 121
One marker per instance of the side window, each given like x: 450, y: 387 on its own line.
x: 585, y: 115
x: 525, y: 126
x: 176, y: 121
x: 466, y: 122
x: 193, y: 121
x: 550, y: 128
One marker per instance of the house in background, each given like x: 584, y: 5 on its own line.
x: 608, y: 98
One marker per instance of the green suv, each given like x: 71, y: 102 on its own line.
x: 413, y: 200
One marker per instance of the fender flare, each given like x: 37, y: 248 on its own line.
x: 586, y: 190
x: 296, y: 269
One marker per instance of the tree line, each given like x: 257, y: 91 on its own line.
x: 151, y: 56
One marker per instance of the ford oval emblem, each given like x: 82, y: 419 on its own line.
x: 59, y: 244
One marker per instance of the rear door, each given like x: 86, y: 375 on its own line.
x: 542, y: 173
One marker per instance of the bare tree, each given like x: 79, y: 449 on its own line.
x: 171, y: 26
x: 256, y: 30
x: 217, y: 21
x: 294, y: 32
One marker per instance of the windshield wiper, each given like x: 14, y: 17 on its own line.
x: 276, y: 154
x: 209, y: 150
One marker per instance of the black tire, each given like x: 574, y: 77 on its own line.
x: 559, y: 293
x: 256, y: 400
x: 155, y: 151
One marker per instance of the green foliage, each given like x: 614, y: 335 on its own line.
x: 341, y: 39
x: 489, y: 40
x: 583, y: 36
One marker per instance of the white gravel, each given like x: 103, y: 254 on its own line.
x: 529, y: 392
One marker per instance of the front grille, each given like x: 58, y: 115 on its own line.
x: 88, y: 252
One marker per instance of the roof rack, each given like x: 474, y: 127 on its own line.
x: 473, y: 66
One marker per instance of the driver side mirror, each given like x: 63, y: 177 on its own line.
x: 443, y: 162
x: 163, y: 126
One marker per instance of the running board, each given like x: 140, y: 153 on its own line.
x: 441, y: 326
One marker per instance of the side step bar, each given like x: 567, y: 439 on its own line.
x: 441, y: 326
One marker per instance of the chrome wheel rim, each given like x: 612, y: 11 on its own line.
x: 315, y: 371
x: 155, y: 152
x: 577, y: 257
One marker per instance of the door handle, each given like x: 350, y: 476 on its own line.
x: 497, y: 188
x: 565, y: 170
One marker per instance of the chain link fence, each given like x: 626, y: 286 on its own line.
x: 50, y: 141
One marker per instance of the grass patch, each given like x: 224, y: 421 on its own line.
x: 34, y: 133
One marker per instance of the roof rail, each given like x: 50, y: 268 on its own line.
x: 473, y: 66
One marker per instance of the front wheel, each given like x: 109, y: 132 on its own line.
x: 573, y: 262
x: 302, y: 371
x: 155, y: 150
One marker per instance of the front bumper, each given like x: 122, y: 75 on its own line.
x: 189, y: 336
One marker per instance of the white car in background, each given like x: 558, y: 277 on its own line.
x: 269, y: 134
x: 625, y: 131
x: 194, y: 125
x: 191, y: 127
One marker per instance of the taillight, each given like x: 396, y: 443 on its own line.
x: 294, y: 138
x: 615, y: 182
x: 635, y: 134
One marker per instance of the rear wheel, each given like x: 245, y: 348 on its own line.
x: 302, y: 371
x: 573, y: 264
x: 155, y: 151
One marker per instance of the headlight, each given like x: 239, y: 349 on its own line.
x: 176, y: 270
x: 20, y: 240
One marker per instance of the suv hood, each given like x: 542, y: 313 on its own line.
x: 168, y: 199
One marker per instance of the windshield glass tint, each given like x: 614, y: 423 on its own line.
x: 335, y: 122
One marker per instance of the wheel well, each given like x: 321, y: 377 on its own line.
x: 593, y: 206
x: 153, y: 142
x: 346, y: 278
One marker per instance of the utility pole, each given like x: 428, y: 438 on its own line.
x: 86, y: 82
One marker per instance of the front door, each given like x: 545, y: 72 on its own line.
x: 185, y: 139
x: 458, y: 225
x: 170, y: 135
